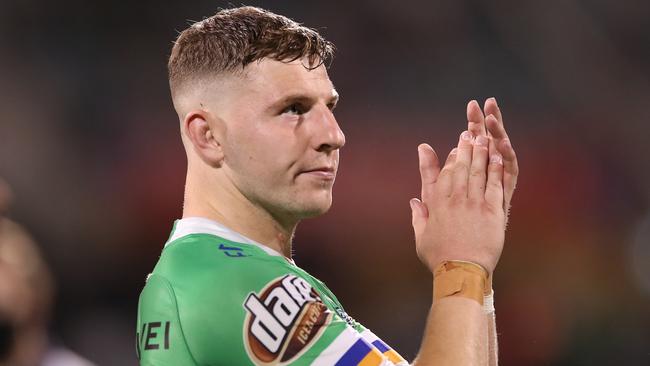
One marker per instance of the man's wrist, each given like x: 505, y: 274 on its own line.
x: 462, y: 279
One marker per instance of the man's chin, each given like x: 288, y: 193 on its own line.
x: 314, y: 212
x: 314, y: 208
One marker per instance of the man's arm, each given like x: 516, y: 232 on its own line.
x: 493, y: 347
x: 498, y: 135
x: 476, y: 124
x: 160, y: 340
x: 462, y: 217
x: 455, y: 334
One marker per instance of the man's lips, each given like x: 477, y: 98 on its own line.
x: 325, y: 172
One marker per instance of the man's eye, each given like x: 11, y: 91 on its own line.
x: 295, y: 108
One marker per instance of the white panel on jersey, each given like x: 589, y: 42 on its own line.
x: 369, y: 336
x: 201, y: 225
x: 337, y: 348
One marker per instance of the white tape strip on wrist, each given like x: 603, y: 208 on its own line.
x: 488, y: 303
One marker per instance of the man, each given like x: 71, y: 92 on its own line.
x: 255, y: 106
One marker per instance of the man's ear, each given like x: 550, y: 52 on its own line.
x: 206, y: 141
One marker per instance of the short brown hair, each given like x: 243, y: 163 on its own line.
x: 234, y: 38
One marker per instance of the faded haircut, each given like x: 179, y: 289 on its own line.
x: 233, y: 38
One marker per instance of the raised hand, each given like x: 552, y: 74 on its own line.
x: 463, y: 206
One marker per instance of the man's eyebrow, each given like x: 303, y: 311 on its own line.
x: 290, y: 99
x: 302, y: 98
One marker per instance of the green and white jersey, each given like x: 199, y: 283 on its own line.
x: 218, y: 298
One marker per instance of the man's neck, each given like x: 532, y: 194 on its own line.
x: 230, y: 208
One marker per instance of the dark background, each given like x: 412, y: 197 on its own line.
x: 89, y: 144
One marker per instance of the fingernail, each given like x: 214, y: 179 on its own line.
x: 453, y: 151
x: 466, y: 136
x: 482, y: 140
x: 494, y: 100
x: 496, y: 159
x: 507, y: 143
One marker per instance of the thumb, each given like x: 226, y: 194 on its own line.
x: 419, y: 213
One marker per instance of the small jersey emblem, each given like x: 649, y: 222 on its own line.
x: 283, y: 320
x: 233, y: 252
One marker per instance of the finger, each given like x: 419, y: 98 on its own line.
x: 494, y: 186
x: 419, y: 214
x: 491, y: 107
x: 504, y: 148
x: 429, y: 170
x: 492, y: 149
x: 462, y: 165
x: 501, y: 139
x: 495, y: 126
x: 510, y: 170
x: 475, y: 119
x: 445, y: 178
x: 478, y: 168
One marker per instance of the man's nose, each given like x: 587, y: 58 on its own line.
x: 328, y: 136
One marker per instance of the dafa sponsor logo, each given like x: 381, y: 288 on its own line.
x: 283, y: 320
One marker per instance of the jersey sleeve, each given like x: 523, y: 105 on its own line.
x: 287, y: 322
x: 383, y: 348
x: 159, y: 335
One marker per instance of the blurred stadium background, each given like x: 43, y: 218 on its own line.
x: 89, y: 146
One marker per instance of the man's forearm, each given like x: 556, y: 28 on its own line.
x: 456, y: 333
x: 493, y: 346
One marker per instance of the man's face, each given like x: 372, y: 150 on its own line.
x: 281, y: 140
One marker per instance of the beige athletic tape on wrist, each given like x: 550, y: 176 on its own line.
x: 463, y: 279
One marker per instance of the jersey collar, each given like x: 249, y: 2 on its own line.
x: 201, y: 225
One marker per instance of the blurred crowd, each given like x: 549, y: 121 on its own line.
x: 26, y: 296
x: 94, y: 167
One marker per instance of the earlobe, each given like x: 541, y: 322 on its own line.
x: 205, y: 142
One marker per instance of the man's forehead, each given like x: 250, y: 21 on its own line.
x: 274, y: 79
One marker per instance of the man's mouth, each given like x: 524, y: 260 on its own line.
x: 322, y: 172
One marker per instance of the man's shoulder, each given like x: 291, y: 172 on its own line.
x: 206, y: 282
